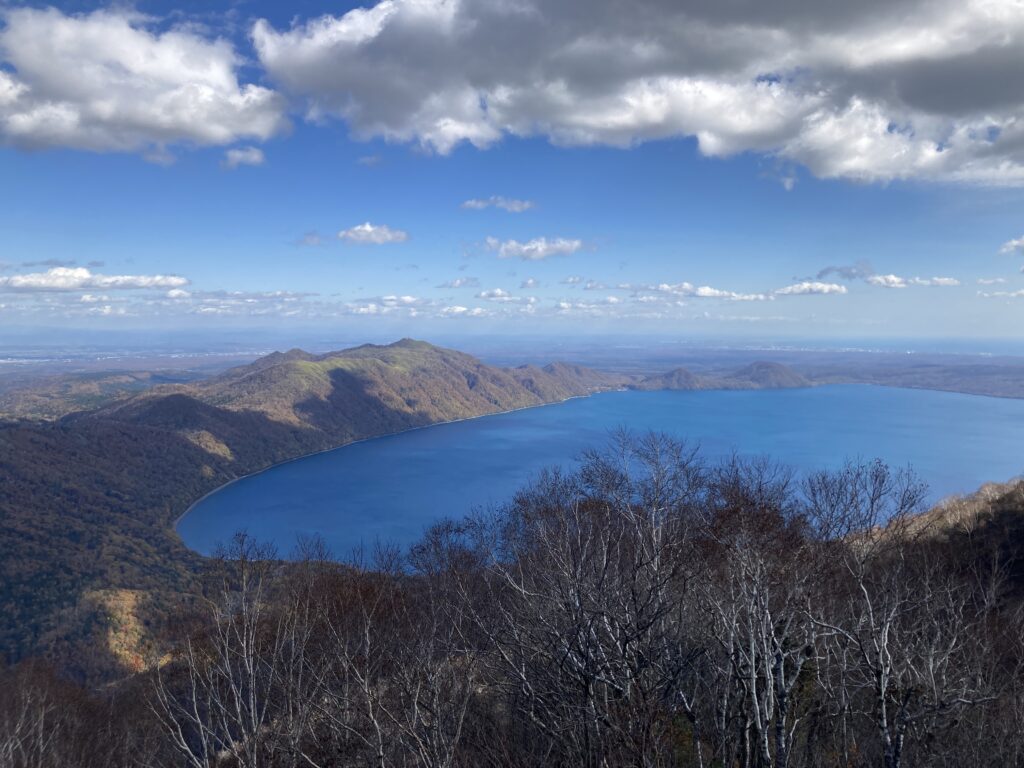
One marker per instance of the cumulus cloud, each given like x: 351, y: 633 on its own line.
x: 538, y: 249
x: 891, y: 90
x: 1013, y: 246
x: 373, y: 234
x: 243, y: 156
x: 810, y: 288
x: 497, y: 201
x: 60, y: 279
x: 887, y: 281
x: 572, y: 280
x: 530, y: 282
x: 107, y: 81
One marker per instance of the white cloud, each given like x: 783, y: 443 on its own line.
x: 1003, y: 294
x: 106, y: 81
x: 495, y: 294
x: 502, y: 296
x: 689, y: 290
x: 243, y: 156
x: 1013, y: 246
x: 81, y: 279
x: 572, y: 280
x: 808, y: 288
x: 373, y: 234
x: 886, y: 281
x: 497, y: 201
x: 903, y: 89
x: 459, y: 311
x: 895, y: 281
x: 530, y: 282
x: 537, y: 249
x: 991, y: 280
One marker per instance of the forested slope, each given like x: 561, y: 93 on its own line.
x: 88, y: 501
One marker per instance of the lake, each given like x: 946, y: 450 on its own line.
x: 390, y: 488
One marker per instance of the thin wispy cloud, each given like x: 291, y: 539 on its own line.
x: 460, y: 311
x: 858, y: 271
x: 310, y: 239
x: 496, y: 201
x: 895, y: 281
x: 373, y: 234
x: 461, y: 282
x: 234, y: 158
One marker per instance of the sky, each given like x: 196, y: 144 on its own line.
x: 695, y: 169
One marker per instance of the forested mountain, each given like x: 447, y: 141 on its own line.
x: 88, y: 501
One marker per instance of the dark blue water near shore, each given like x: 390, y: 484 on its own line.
x: 391, y: 488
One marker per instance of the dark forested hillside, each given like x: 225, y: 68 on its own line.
x: 647, y: 609
x: 87, y: 502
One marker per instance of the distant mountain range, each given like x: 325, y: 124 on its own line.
x: 754, y: 376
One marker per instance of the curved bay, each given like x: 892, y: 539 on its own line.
x: 391, y: 488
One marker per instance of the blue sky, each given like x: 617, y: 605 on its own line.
x: 713, y: 215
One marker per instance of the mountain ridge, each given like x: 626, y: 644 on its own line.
x: 91, y: 498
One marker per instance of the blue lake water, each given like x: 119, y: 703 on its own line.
x: 391, y: 488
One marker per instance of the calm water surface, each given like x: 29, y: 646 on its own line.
x: 391, y: 488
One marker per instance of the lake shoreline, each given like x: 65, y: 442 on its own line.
x: 835, y: 430
x: 229, y: 483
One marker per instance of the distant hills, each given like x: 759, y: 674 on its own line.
x: 759, y: 375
